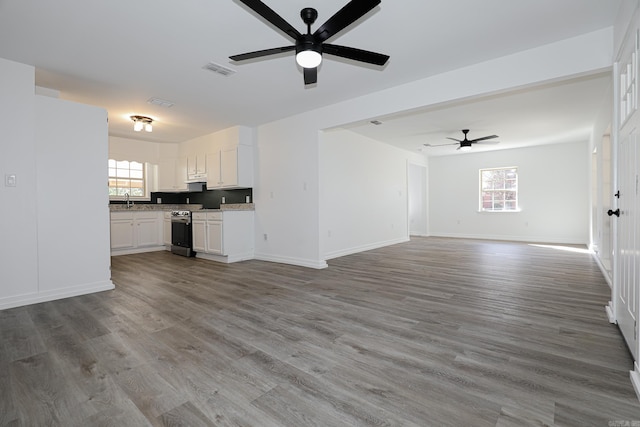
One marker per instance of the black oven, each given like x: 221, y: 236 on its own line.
x: 181, y: 236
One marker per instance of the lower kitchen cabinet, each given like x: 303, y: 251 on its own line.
x: 166, y: 229
x: 225, y: 236
x: 136, y: 231
x: 199, y: 231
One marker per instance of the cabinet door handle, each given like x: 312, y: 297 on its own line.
x: 616, y: 212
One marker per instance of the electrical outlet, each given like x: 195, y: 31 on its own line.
x: 10, y: 180
x: 224, y: 200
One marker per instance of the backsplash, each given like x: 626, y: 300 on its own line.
x: 210, y: 199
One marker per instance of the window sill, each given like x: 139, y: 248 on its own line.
x: 493, y: 212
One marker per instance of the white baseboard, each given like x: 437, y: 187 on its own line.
x: 367, y: 247
x: 317, y: 264
x: 604, y: 271
x: 38, y: 297
x: 227, y: 259
x: 116, y: 252
x: 635, y: 379
x: 610, y: 314
x: 527, y: 239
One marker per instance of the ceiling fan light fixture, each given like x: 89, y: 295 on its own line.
x: 465, y: 148
x: 308, y: 58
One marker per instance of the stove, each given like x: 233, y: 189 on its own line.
x: 181, y: 233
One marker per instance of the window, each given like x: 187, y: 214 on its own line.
x: 499, y: 190
x: 126, y: 177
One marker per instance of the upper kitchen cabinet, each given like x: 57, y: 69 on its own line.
x: 196, y: 165
x: 223, y: 159
x: 172, y: 168
x: 172, y: 174
x: 230, y: 167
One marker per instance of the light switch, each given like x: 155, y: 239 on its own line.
x: 10, y: 180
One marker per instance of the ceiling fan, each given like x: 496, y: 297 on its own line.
x: 465, y: 144
x: 310, y: 47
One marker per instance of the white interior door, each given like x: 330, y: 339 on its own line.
x: 628, y: 258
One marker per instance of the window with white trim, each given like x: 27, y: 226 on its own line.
x: 127, y: 177
x: 499, y: 190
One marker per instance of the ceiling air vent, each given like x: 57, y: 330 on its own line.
x: 160, y: 102
x: 217, y: 68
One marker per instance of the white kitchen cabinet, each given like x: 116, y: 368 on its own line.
x: 196, y: 165
x: 172, y: 174
x: 136, y: 231
x: 199, y: 231
x: 147, y: 232
x: 230, y: 167
x: 122, y: 230
x: 166, y: 229
x: 214, y: 234
x: 214, y: 179
x: 225, y: 236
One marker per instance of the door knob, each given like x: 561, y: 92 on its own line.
x: 616, y: 212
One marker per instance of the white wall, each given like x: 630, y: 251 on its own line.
x: 58, y: 164
x: 363, y: 193
x: 286, y: 193
x: 18, y: 257
x: 418, y: 200
x: 553, y: 186
x: 73, y: 203
x: 287, y: 190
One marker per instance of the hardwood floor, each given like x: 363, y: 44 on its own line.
x: 434, y: 332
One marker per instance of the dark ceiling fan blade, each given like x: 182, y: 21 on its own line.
x: 487, y: 142
x: 355, y: 54
x: 267, y: 13
x: 439, y: 145
x: 453, y: 139
x: 350, y: 13
x: 310, y: 75
x: 483, y: 138
x: 260, y: 53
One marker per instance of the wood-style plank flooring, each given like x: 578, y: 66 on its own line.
x: 434, y: 332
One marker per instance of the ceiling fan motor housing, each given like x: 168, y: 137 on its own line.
x: 309, y: 15
x: 308, y: 42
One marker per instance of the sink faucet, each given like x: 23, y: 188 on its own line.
x: 129, y: 204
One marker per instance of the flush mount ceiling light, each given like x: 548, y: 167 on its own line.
x: 142, y: 122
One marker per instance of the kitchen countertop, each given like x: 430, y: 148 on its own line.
x: 121, y: 207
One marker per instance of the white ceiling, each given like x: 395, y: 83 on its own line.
x: 552, y: 113
x: 119, y: 53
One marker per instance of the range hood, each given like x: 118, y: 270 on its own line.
x: 201, y: 177
x: 196, y: 186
